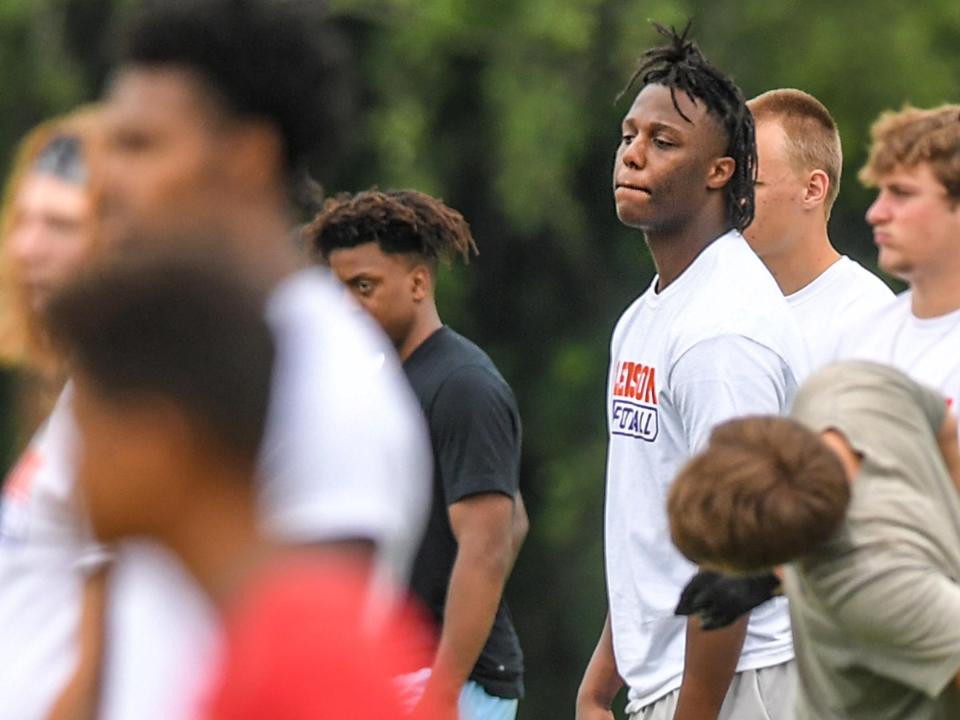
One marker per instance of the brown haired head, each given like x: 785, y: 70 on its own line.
x: 23, y: 336
x: 405, y: 222
x: 913, y: 136
x: 812, y: 138
x: 764, y: 492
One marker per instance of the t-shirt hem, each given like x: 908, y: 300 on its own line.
x: 507, y: 691
x: 750, y: 662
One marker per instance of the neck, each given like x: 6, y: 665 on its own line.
x: 936, y: 293
x: 802, y: 261
x: 674, y: 251
x: 264, y: 243
x: 426, y: 323
x: 216, y: 536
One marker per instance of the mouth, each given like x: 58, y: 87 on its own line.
x: 631, y: 187
x: 881, y: 238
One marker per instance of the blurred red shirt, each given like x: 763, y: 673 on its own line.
x: 300, y: 642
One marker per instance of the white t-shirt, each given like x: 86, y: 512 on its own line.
x: 42, y: 540
x: 345, y: 455
x: 843, y: 293
x: 926, y: 349
x: 717, y: 343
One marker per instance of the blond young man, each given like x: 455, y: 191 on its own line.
x: 800, y: 161
x: 859, y: 493
x: 914, y: 163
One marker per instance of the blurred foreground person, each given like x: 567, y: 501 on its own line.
x: 51, y: 611
x: 799, y: 161
x: 859, y: 493
x: 386, y: 248
x: 914, y: 163
x: 172, y: 363
x: 710, y: 339
x: 216, y: 107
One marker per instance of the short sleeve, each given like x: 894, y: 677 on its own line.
x: 902, y: 612
x: 933, y: 405
x: 476, y: 429
x: 726, y: 377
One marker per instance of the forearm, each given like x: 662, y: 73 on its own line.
x: 601, y: 681
x: 78, y: 698
x: 709, y: 667
x: 473, y: 596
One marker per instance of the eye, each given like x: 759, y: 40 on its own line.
x: 626, y: 139
x: 363, y: 286
x: 661, y: 142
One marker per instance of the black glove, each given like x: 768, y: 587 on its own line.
x: 719, y: 600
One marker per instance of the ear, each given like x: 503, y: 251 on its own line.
x: 720, y: 173
x: 815, y: 192
x: 422, y: 281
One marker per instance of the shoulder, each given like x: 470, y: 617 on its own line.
x: 472, y: 385
x: 863, y: 289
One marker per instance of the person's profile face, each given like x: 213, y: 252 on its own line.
x: 915, y: 226
x: 166, y: 154
x: 50, y: 236
x: 383, y: 284
x: 779, y: 193
x: 663, y: 162
x: 128, y: 471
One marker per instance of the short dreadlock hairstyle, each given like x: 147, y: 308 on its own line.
x: 270, y: 60
x: 680, y: 65
x: 402, y: 222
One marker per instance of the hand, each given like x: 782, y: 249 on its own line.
x: 592, y: 709
x: 439, y: 701
x: 719, y: 600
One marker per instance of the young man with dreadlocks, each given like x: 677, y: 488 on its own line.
x: 385, y: 247
x: 711, y: 339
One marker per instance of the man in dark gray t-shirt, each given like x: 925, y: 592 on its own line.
x: 385, y: 247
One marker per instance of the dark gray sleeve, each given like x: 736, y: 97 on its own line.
x: 477, y: 435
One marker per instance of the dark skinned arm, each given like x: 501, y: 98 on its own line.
x: 485, y: 529
x: 711, y: 661
x: 601, y: 681
x: 79, y: 697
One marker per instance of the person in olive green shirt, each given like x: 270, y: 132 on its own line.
x: 859, y: 494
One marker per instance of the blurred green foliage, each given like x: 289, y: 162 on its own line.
x: 506, y: 110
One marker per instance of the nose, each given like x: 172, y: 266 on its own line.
x: 27, y: 243
x: 634, y: 155
x: 879, y: 211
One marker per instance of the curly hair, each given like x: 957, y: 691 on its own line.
x: 914, y: 136
x: 680, y: 65
x: 403, y: 222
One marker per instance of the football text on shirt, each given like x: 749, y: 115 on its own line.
x: 634, y: 410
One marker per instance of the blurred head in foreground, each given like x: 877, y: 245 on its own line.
x: 171, y: 360
x: 216, y: 110
x: 386, y: 247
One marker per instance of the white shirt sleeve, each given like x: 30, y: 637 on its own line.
x: 726, y: 377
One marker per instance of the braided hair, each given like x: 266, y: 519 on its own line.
x: 404, y: 222
x: 680, y: 65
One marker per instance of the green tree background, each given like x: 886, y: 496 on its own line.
x: 507, y: 111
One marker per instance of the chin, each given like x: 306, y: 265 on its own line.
x: 633, y: 218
